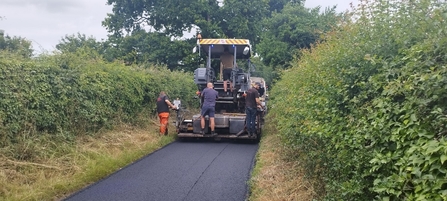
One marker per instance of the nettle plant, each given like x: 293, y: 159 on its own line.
x: 366, y: 109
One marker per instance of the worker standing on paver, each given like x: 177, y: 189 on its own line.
x: 226, y: 67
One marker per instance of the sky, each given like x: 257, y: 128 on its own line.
x: 46, y: 22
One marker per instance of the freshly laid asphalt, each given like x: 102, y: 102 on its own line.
x: 180, y: 171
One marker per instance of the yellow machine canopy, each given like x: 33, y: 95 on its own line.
x: 216, y: 46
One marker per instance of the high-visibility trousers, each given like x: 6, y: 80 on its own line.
x: 164, y: 118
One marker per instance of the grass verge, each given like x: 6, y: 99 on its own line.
x: 55, y: 170
x: 274, y: 177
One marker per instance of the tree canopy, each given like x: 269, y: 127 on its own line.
x: 70, y: 43
x: 214, y: 19
x: 152, y: 47
x: 294, y: 28
x: 151, y: 30
x: 16, y: 44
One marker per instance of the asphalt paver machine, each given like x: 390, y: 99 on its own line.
x: 230, y: 107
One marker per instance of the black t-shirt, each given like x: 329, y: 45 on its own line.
x: 250, y: 99
x: 162, y: 106
x: 261, y: 91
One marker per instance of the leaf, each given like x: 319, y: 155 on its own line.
x: 417, y: 172
x: 406, y: 121
x: 443, y: 192
x: 443, y: 159
x: 413, y: 117
x: 433, y: 147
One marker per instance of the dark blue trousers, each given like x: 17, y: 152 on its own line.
x: 251, y: 119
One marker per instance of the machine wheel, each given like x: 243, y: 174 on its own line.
x: 258, y: 136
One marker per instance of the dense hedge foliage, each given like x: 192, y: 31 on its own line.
x: 366, y: 111
x: 79, y: 92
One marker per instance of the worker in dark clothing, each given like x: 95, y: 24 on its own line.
x: 209, y: 97
x: 163, y: 105
x: 226, y: 66
x: 252, y: 102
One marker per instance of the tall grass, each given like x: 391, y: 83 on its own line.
x: 275, y: 176
x: 56, y: 173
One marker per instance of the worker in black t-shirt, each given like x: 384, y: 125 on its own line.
x: 252, y: 102
x: 163, y: 105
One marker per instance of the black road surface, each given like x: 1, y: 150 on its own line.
x: 180, y: 171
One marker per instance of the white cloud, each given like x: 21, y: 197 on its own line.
x: 46, y: 22
x: 45, y: 5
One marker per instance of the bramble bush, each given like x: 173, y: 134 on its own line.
x: 366, y: 110
x: 79, y: 93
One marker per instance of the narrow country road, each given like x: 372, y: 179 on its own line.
x: 180, y: 171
